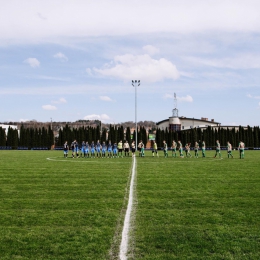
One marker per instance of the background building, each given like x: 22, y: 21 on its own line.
x: 176, y: 123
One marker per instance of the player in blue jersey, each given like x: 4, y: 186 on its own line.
x: 115, y: 150
x: 65, y: 149
x: 109, y: 150
x: 104, y: 148
x: 76, y: 148
x: 82, y: 153
x: 98, y: 149
x: 72, y: 147
x: 87, y: 150
x: 92, y: 147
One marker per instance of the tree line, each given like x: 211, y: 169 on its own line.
x: 27, y: 137
x: 44, y: 137
x: 249, y: 136
x: 89, y: 134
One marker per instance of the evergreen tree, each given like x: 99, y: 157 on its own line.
x: 104, y: 135
x: 12, y: 138
x: 256, y: 135
x: 128, y: 134
x: 2, y: 137
x: 50, y: 137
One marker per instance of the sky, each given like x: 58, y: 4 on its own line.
x: 67, y: 60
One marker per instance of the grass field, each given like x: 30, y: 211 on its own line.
x: 74, y: 208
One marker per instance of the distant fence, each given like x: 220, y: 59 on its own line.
x: 58, y: 148
x: 23, y: 148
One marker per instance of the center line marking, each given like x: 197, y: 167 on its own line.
x: 126, y: 228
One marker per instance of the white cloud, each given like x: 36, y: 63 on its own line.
x: 255, y: 97
x: 240, y: 61
x: 151, y: 50
x: 143, y: 67
x: 83, y: 18
x: 102, y: 117
x: 188, y: 98
x: 61, y: 56
x: 43, y: 77
x: 59, y: 101
x: 89, y: 72
x: 23, y: 120
x: 105, y: 98
x: 49, y: 107
x: 168, y: 96
x: 33, y: 62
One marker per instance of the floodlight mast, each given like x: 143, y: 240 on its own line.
x: 135, y: 84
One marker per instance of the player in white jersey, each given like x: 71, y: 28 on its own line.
x: 142, y: 148
x: 241, y: 148
x: 180, y: 149
x: 218, y: 149
x: 120, y: 148
x: 229, y: 150
x: 133, y: 148
x: 174, y: 147
x: 196, y: 149
x: 187, y: 150
x: 155, y: 149
x: 165, y: 149
x: 203, y: 148
x: 65, y: 149
x: 126, y: 148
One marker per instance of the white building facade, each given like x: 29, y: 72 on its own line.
x: 176, y: 123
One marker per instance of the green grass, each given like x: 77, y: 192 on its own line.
x: 202, y: 208
x: 60, y: 210
x: 74, y: 208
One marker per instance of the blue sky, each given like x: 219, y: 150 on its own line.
x: 71, y: 60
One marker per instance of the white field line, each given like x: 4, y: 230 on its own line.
x: 126, y: 227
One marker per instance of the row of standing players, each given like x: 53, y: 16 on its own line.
x: 116, y: 150
x: 102, y: 150
x: 178, y: 146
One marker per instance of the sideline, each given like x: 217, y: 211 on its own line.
x: 184, y: 160
x: 67, y: 160
x: 83, y: 160
x: 126, y: 227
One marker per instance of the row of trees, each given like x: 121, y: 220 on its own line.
x: 250, y: 136
x: 44, y: 137
x: 29, y: 137
x: 89, y: 134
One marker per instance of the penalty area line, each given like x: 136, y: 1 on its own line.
x: 126, y: 227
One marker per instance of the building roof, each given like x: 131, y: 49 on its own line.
x: 186, y: 118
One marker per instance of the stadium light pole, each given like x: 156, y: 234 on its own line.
x: 135, y: 84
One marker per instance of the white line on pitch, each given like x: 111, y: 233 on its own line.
x: 126, y: 228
